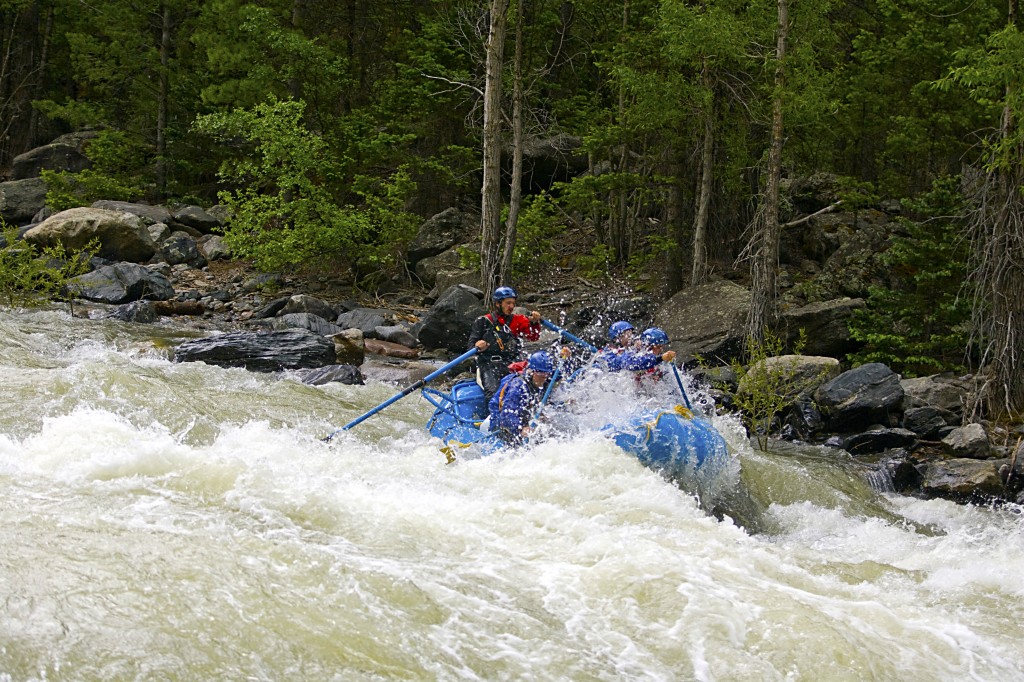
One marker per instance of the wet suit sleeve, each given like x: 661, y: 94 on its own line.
x: 479, y: 331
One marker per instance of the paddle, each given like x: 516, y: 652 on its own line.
x: 555, y: 328
x: 406, y: 391
x: 682, y: 390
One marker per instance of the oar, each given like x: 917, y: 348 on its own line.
x: 406, y: 391
x: 682, y: 390
x: 572, y: 337
x: 544, y: 398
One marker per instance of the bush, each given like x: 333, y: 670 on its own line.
x: 30, y: 276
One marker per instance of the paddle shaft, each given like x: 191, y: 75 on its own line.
x: 407, y: 390
x: 682, y: 390
x: 572, y: 337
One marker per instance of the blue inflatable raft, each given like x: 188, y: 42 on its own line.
x: 673, y: 441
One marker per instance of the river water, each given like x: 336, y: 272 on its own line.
x: 185, y: 522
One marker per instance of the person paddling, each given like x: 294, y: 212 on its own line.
x: 497, y: 336
x: 518, y: 397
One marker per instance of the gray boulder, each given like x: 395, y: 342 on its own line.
x: 121, y: 236
x: 53, y: 156
x: 20, y: 200
x: 926, y: 421
x: 214, y: 247
x: 862, y: 396
x: 706, y: 320
x: 313, y: 323
x: 448, y: 322
x: 968, y: 441
x: 943, y: 391
x: 962, y: 479
x: 268, y: 352
x: 396, y: 334
x: 121, y: 283
x: 197, y: 219
x: 153, y: 214
x: 826, y: 326
x: 302, y: 303
x: 365, y: 320
x: 441, y: 232
x: 181, y: 248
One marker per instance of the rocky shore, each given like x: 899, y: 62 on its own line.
x: 169, y: 265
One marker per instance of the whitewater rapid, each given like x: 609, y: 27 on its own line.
x: 180, y: 521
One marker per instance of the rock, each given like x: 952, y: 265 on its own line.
x: 878, y: 440
x: 181, y: 248
x: 448, y: 278
x: 268, y: 352
x: 968, y: 441
x: 365, y: 320
x: 864, y: 395
x: 393, y: 350
x: 938, y: 390
x: 53, y: 156
x: 349, y: 346
x: 707, y: 320
x: 309, y: 321
x: 446, y: 261
x: 826, y: 326
x: 798, y: 374
x: 214, y: 247
x: 396, y: 334
x: 136, y: 311
x: 301, y: 303
x: 158, y: 232
x: 441, y: 232
x: 121, y: 236
x: 342, y: 374
x: 152, y: 214
x: 448, y: 322
x: 926, y: 421
x: 21, y: 199
x: 962, y: 480
x: 196, y: 218
x: 121, y: 283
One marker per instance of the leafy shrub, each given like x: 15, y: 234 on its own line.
x: 30, y: 276
x: 114, y: 174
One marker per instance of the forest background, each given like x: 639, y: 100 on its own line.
x: 658, y: 134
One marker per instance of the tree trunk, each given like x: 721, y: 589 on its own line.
x: 162, y: 98
x: 997, y: 231
x: 700, y: 270
x: 516, y: 193
x: 765, y: 237
x: 490, y: 204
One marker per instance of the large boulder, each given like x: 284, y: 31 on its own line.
x: 428, y: 268
x: 269, y: 352
x: 799, y: 375
x: 943, y: 391
x: 197, y: 219
x: 825, y: 326
x: 365, y: 320
x: 706, y: 320
x: 121, y: 236
x: 962, y: 480
x: 121, y: 283
x: 968, y: 442
x: 313, y: 323
x: 54, y: 156
x: 342, y: 374
x: 859, y: 397
x: 20, y: 200
x: 448, y: 322
x: 153, y: 214
x: 303, y: 303
x: 441, y: 232
x: 181, y: 248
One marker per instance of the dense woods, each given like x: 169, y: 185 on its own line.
x: 661, y: 132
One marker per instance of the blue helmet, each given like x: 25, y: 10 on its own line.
x: 541, y: 362
x: 501, y: 293
x: 654, y: 336
x: 618, y: 329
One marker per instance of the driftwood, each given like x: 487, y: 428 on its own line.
x: 178, y: 308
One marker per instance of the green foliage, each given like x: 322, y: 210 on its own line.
x: 768, y: 383
x: 30, y: 276
x: 286, y: 202
x: 918, y: 325
x: 114, y: 174
x: 597, y: 263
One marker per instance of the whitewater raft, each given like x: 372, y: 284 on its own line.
x: 672, y: 440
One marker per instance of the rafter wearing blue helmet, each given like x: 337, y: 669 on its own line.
x: 497, y: 336
x: 620, y: 336
x: 518, y: 397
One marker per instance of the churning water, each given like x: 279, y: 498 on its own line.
x: 185, y: 522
